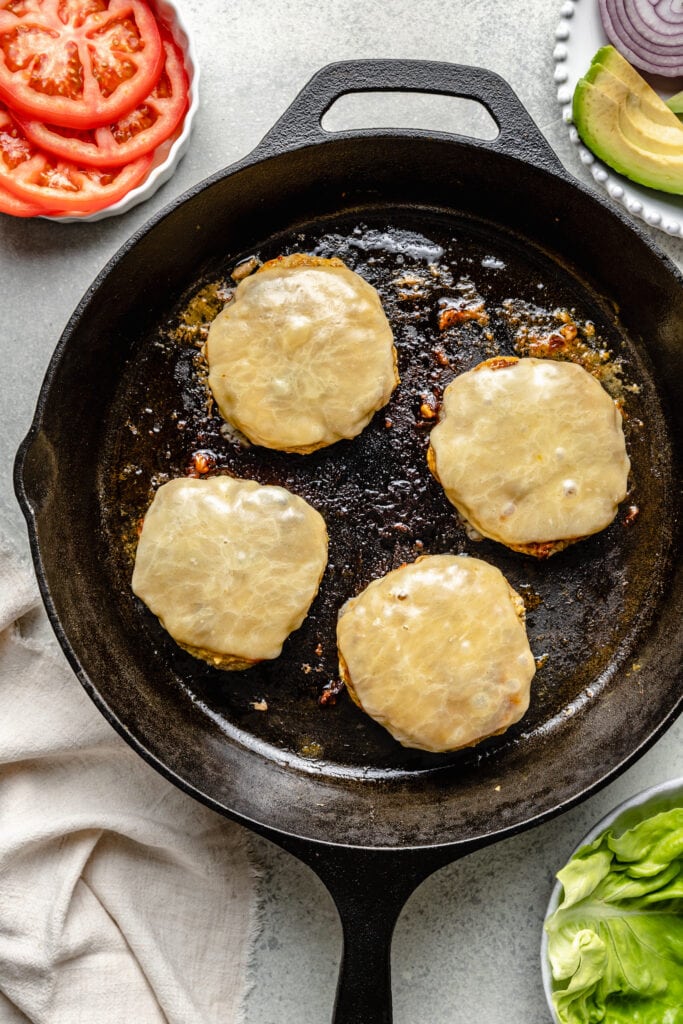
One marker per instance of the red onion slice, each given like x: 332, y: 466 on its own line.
x: 649, y: 33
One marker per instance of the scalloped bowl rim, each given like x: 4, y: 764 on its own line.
x: 638, y: 807
x: 579, y: 33
x: 169, y: 13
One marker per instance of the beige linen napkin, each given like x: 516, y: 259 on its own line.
x: 122, y: 900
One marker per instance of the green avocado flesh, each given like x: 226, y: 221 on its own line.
x: 676, y: 103
x: 626, y: 124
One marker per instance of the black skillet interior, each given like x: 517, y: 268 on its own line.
x: 381, y: 504
x: 432, y: 222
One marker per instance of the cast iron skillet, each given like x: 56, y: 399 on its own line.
x: 121, y: 403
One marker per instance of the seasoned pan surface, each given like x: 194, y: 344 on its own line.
x: 456, y: 290
x: 124, y: 406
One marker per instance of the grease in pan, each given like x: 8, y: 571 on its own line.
x: 382, y: 506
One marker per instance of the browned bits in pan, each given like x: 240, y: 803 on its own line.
x: 561, y: 334
x: 631, y: 515
x: 382, y: 506
x: 330, y: 693
x: 501, y: 363
x: 201, y: 463
x: 450, y: 316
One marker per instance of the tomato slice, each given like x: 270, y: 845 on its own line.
x: 77, y: 63
x: 133, y: 135
x: 9, y: 203
x: 60, y: 186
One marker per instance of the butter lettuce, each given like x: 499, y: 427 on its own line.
x: 615, y: 943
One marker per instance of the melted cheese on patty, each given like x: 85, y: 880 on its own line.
x: 530, y: 452
x: 437, y: 652
x: 302, y: 356
x: 230, y: 567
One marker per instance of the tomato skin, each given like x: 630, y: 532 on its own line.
x: 83, y: 72
x: 119, y: 143
x: 59, y: 186
x: 11, y: 204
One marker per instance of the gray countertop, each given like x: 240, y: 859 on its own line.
x: 467, y: 945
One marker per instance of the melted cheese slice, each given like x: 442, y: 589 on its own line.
x: 531, y: 451
x: 229, y: 566
x: 437, y: 652
x: 302, y: 356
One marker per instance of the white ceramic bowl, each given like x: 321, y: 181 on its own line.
x: 643, y: 805
x: 577, y: 38
x: 167, y: 161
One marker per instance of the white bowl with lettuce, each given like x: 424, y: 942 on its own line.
x: 612, y: 948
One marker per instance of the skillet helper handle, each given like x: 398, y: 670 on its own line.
x: 518, y: 134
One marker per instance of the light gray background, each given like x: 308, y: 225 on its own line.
x: 466, y: 947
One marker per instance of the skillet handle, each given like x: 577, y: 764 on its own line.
x: 300, y: 125
x: 369, y: 889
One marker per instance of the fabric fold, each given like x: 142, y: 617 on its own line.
x: 121, y: 898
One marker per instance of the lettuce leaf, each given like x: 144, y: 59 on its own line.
x: 615, y: 943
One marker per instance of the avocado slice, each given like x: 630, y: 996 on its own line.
x: 676, y: 103
x: 608, y: 67
x: 613, y: 61
x: 623, y: 121
x: 661, y: 135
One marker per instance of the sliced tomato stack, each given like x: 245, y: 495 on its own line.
x: 91, y: 94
